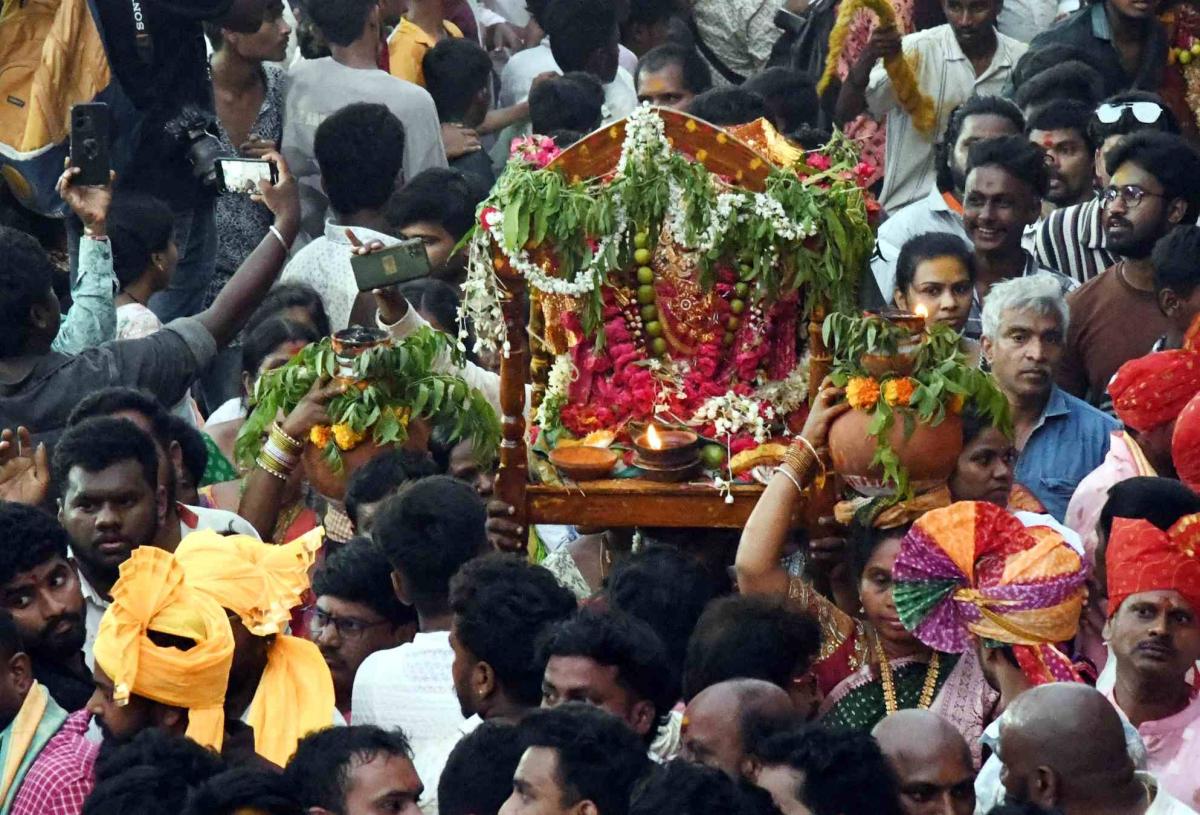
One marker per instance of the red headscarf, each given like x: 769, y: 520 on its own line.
x: 1150, y: 391
x: 1185, y: 445
x: 1141, y: 557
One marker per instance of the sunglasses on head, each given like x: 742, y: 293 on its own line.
x: 1145, y: 112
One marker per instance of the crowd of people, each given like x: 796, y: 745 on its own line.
x: 181, y: 633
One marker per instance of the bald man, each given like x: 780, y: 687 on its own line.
x: 721, y: 722
x: 1063, y: 747
x: 932, y: 763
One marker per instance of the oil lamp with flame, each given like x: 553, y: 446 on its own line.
x: 667, y: 455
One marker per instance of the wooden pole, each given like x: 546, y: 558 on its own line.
x: 513, y: 477
x: 820, y: 361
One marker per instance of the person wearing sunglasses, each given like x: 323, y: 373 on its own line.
x: 1124, y: 38
x: 1115, y: 317
x: 357, y: 613
x: 1071, y: 240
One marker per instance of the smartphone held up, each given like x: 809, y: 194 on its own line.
x: 391, y: 266
x: 241, y: 175
x: 91, y: 125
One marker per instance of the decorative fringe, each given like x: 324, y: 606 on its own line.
x: 904, y: 81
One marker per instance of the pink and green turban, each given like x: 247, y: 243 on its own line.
x: 973, y: 570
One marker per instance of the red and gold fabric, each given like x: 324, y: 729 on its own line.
x: 1150, y: 391
x: 1185, y: 444
x: 1141, y: 557
x: 973, y: 570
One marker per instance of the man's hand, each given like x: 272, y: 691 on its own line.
x: 89, y: 203
x: 505, y: 37
x: 503, y: 533
x: 391, y: 304
x: 545, y: 76
x: 311, y: 410
x: 282, y: 197
x: 24, y: 470
x: 459, y: 140
x: 258, y: 147
x: 884, y: 44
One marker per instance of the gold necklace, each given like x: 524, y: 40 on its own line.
x: 888, y: 680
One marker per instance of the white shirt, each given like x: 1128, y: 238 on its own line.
x: 930, y: 214
x: 324, y: 264
x: 318, y: 88
x: 620, y: 96
x: 411, y: 688
x: 946, y: 76
x: 94, y: 607
x: 1024, y: 19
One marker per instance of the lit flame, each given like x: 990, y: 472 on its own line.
x: 922, y: 312
x: 653, y: 439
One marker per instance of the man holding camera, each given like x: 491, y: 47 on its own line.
x: 165, y: 146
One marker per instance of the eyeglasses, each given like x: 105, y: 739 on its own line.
x: 1131, y: 194
x: 1145, y: 112
x: 349, y: 628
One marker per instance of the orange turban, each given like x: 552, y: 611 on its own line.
x: 1150, y: 391
x: 151, y: 595
x: 1141, y: 557
x: 261, y: 583
x: 1185, y: 445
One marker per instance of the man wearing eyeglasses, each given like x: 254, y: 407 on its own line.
x: 1154, y: 187
x: 1071, y: 240
x: 1127, y: 43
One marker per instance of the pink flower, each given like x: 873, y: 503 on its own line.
x: 864, y: 171
x: 536, y: 150
x: 818, y: 161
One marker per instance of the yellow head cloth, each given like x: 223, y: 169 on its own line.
x: 260, y: 582
x: 150, y: 595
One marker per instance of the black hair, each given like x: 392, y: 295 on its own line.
x: 501, y: 605
x: 10, y: 637
x: 343, y: 141
x: 789, y: 96
x: 359, y: 573
x: 1127, y: 123
x: 600, y: 759
x: 143, y: 790
x: 121, y: 399
x: 1169, y: 158
x: 1017, y: 156
x: 192, y: 448
x: 243, y: 789
x: 456, y: 70
x: 1174, y: 258
x: 975, y: 106
x: 666, y: 589
x: 1062, y: 114
x: 624, y: 642
x: 693, y: 70
x: 138, y: 226
x: 28, y: 538
x: 319, y: 770
x: 428, y: 531
x: 929, y: 246
x: 682, y: 788
x: 649, y: 12
x: 149, y: 774
x: 442, y: 196
x: 810, y: 138
x: 437, y: 298
x: 97, y: 444
x: 340, y: 22
x: 1038, y: 60
x: 863, y: 539
x: 724, y: 107
x: 1025, y: 808
x: 286, y: 296
x: 577, y: 29
x: 1161, y: 501
x: 26, y: 277
x: 1072, y: 80
x: 537, y: 9
x: 573, y: 101
x: 384, y: 475
x: 565, y: 138
x: 478, y: 775
x: 843, y: 770
x: 974, y: 422
x: 744, y: 636
x: 266, y: 338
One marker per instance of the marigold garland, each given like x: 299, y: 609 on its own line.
x: 904, y: 82
x: 862, y: 392
x: 898, y: 392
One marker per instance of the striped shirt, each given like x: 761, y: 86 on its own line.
x: 1071, y: 241
x: 974, y: 327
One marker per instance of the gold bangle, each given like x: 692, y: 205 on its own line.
x: 287, y: 460
x: 268, y: 465
x: 286, y: 442
x: 816, y: 457
x: 802, y: 462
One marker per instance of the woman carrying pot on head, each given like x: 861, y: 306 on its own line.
x: 935, y: 276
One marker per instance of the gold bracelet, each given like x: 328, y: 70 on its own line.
x: 816, y: 457
x: 286, y: 443
x: 269, y: 465
x: 802, y: 462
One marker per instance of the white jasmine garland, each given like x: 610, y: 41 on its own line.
x: 731, y: 414
x: 558, y: 382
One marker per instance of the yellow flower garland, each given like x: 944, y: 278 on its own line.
x: 904, y: 82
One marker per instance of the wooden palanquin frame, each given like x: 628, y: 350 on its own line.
x: 620, y: 502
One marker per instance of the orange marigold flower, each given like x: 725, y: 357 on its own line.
x: 320, y: 435
x: 346, y: 437
x: 956, y: 404
x: 862, y: 392
x: 899, y: 392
